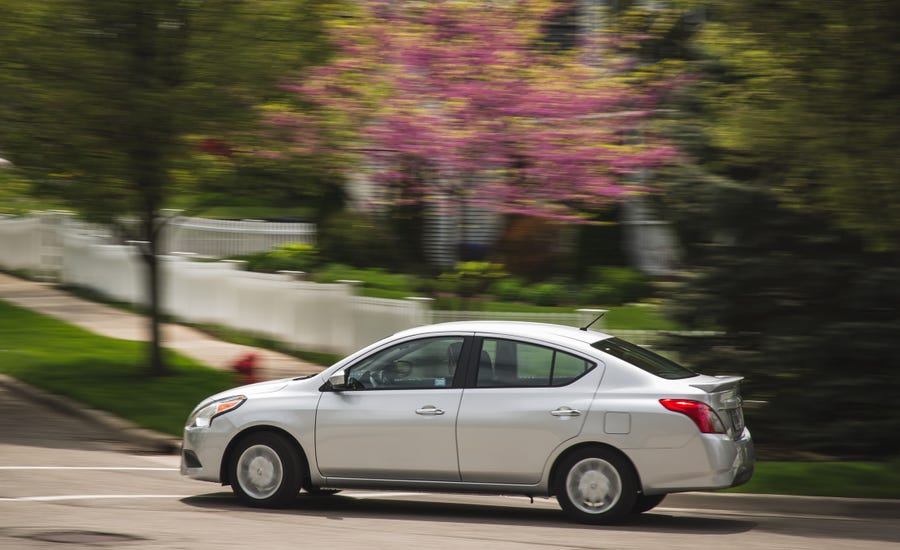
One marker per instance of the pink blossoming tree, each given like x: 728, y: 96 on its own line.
x: 470, y: 100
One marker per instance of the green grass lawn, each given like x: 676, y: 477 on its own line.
x: 106, y: 373
x: 839, y: 479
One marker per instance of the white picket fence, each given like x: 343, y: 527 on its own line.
x: 34, y: 242
x: 301, y: 314
x: 328, y: 318
x: 223, y: 238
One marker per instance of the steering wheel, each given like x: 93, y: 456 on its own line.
x: 401, y: 368
x: 374, y: 379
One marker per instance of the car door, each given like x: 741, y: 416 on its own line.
x: 398, y: 419
x: 521, y: 402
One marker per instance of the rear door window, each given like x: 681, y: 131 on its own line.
x: 507, y: 363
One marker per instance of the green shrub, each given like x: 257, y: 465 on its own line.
x: 357, y: 239
x: 547, y: 294
x: 507, y: 290
x: 472, y: 278
x: 626, y: 284
x: 371, y: 278
x: 287, y: 257
x: 603, y: 294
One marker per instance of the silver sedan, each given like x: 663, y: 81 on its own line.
x: 606, y: 426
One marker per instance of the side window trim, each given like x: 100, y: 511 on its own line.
x: 458, y: 376
x: 477, y: 344
x: 470, y: 364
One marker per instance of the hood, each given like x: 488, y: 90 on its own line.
x: 250, y: 390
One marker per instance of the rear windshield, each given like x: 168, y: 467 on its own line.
x: 643, y: 359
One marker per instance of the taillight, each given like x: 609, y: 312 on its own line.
x: 702, y: 414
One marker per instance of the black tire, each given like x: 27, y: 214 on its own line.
x: 596, y: 485
x: 266, y: 471
x: 645, y: 503
x: 316, y: 492
x: 312, y: 490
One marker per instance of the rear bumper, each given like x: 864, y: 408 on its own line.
x: 708, y: 462
x: 744, y: 461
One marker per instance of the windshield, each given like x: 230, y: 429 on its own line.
x: 643, y: 359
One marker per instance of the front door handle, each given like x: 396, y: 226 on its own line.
x: 429, y: 410
x: 566, y: 412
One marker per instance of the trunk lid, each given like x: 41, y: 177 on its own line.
x: 725, y: 398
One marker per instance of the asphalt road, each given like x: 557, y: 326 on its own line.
x: 67, y: 484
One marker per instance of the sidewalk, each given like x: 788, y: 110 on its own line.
x: 47, y: 299
x: 108, y: 321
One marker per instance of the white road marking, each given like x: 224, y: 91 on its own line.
x: 88, y: 468
x: 52, y: 498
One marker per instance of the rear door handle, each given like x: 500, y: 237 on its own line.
x: 565, y: 412
x: 429, y: 410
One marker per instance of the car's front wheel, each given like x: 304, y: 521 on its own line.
x: 596, y: 485
x: 265, y: 471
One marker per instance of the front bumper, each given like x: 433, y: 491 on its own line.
x: 202, y: 451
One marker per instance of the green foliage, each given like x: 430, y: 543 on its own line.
x: 15, y: 194
x: 604, y: 294
x: 789, y: 217
x: 286, y: 257
x: 375, y: 278
x: 251, y: 186
x: 359, y: 240
x: 809, y: 318
x: 472, y: 278
x: 511, y: 289
x: 831, y: 479
x: 804, y: 100
x: 105, y: 102
x: 548, y: 294
x: 618, y: 285
x: 103, y: 372
x: 598, y: 243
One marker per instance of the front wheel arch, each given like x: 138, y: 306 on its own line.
x: 224, y: 470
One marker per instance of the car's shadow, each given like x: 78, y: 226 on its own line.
x: 400, y: 509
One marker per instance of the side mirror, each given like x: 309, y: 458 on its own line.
x: 338, y: 380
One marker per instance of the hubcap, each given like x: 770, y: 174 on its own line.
x: 593, y: 485
x: 259, y: 472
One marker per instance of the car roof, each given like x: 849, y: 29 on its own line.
x: 561, y: 334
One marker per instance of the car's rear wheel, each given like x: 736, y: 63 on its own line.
x: 645, y: 503
x: 265, y: 471
x: 596, y: 485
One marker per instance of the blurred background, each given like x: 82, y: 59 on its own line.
x: 721, y: 176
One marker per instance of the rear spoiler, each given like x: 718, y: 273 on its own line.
x: 722, y: 383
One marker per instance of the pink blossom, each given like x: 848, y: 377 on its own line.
x: 440, y: 96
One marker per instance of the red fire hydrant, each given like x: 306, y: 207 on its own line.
x: 247, y: 367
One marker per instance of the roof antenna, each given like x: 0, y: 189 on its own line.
x: 587, y: 326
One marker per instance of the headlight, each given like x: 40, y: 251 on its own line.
x: 203, y: 417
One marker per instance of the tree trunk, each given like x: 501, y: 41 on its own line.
x: 158, y: 366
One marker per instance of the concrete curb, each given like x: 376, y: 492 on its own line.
x: 125, y: 430
x: 772, y: 504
